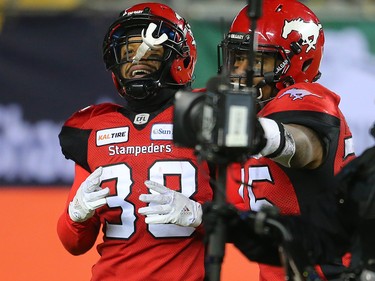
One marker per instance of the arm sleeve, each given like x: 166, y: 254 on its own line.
x: 77, y: 238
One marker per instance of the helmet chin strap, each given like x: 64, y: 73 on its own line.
x: 268, y: 79
x: 140, y: 89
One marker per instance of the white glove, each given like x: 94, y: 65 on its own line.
x: 88, y: 198
x: 170, y: 206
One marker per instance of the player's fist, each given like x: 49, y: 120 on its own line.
x: 88, y: 198
x: 169, y: 206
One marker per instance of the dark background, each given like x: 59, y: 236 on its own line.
x: 51, y: 66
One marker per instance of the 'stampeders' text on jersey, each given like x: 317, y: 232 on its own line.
x: 105, y: 135
x: 265, y: 182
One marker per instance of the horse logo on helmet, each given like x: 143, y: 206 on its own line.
x: 309, y: 31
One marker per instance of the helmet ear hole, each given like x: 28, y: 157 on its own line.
x: 187, y: 62
x: 306, y: 65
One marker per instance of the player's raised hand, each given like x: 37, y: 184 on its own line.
x: 169, y: 206
x: 88, y: 198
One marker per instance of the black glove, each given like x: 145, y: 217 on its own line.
x: 227, y: 213
x: 240, y: 231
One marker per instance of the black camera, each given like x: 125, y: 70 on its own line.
x: 218, y: 123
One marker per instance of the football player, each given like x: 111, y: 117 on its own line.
x: 125, y: 157
x: 308, y: 139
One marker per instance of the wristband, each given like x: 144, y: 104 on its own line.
x: 280, y: 145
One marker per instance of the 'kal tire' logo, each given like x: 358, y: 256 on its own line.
x: 114, y: 135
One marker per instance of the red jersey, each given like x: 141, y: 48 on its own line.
x: 265, y: 182
x: 133, y: 148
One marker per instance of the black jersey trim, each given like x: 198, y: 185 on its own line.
x: 310, y: 119
x: 74, y: 145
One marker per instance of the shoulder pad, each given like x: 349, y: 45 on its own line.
x: 80, y: 117
x: 304, y: 96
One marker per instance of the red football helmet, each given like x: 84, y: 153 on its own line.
x: 180, y: 54
x: 289, y: 30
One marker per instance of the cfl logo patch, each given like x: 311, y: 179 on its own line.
x: 141, y: 118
